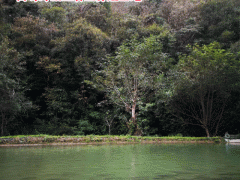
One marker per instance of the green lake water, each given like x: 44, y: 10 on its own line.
x: 131, y: 161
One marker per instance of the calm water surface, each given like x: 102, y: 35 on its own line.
x: 134, y: 161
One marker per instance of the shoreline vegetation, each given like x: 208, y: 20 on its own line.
x: 34, y: 140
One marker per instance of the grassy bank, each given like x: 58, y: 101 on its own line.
x: 95, y: 139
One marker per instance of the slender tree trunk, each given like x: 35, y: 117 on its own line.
x: 132, y: 121
x: 137, y: 130
x: 134, y: 113
x: 207, y: 132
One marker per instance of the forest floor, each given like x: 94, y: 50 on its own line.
x: 34, y: 140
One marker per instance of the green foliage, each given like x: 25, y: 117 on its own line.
x: 107, y: 5
x: 97, y: 15
x: 75, y: 62
x: 84, y: 127
x: 176, y: 12
x: 54, y: 14
x: 12, y: 100
x: 135, y: 70
x: 220, y: 21
x: 4, y: 29
x: 10, y: 10
x: 9, y: 59
x: 30, y: 31
x: 144, y: 117
x: 205, y: 80
x: 235, y: 48
x: 209, y: 58
x: 83, y: 40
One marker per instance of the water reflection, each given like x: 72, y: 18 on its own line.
x: 139, y: 161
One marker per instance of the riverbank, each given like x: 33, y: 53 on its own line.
x: 34, y: 140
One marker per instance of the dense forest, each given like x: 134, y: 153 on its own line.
x: 157, y: 67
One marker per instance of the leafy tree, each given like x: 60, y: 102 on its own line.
x: 59, y: 112
x: 130, y: 75
x: 96, y: 14
x: 220, y: 21
x: 8, y: 58
x: 54, y: 14
x: 203, y: 85
x: 29, y: 33
x: 71, y: 102
x: 31, y: 37
x: 11, y: 10
x: 12, y: 99
x: 176, y: 12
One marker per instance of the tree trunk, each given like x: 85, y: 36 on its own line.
x: 137, y: 130
x: 134, y: 113
x: 207, y: 132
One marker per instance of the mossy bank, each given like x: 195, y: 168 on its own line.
x: 97, y: 139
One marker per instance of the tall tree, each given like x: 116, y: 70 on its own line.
x: 205, y: 79
x: 12, y: 98
x: 132, y: 74
x: 70, y: 102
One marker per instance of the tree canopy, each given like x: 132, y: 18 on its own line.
x: 203, y: 85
